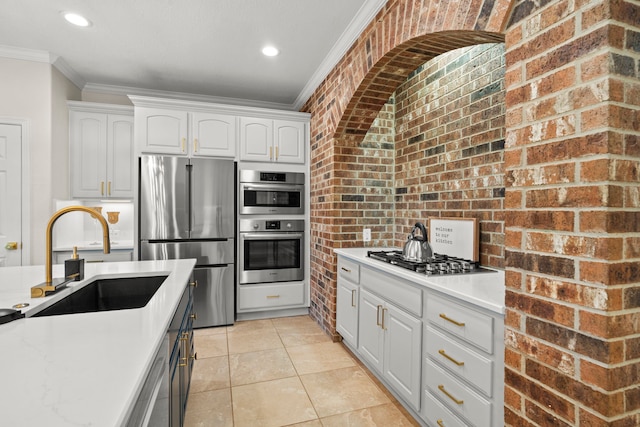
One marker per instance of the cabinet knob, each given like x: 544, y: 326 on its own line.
x: 194, y: 316
x: 194, y: 356
x: 11, y: 246
x: 193, y: 284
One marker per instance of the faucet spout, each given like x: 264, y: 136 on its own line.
x: 48, y: 286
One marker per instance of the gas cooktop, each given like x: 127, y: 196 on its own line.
x: 437, y: 265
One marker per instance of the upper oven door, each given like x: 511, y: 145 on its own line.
x: 260, y: 198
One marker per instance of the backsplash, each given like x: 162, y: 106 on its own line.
x: 82, y: 230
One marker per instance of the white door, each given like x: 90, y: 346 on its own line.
x: 10, y: 195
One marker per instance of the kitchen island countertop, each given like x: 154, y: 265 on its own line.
x: 81, y: 369
x: 486, y: 290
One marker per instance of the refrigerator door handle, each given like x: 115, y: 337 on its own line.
x: 187, y: 190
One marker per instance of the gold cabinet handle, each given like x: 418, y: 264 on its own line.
x: 273, y: 296
x: 440, y: 423
x: 195, y: 145
x: 109, y: 188
x: 183, y: 142
x: 442, y: 389
x: 102, y: 188
x: 446, y: 356
x: 270, y: 153
x: 194, y: 316
x: 277, y: 152
x: 193, y: 284
x: 184, y: 338
x: 448, y: 319
x: 378, y: 309
x: 384, y: 328
x: 353, y: 298
x: 345, y: 269
x: 11, y: 246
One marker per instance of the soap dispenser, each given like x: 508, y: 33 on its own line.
x: 74, y: 267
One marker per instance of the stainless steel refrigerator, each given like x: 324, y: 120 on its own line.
x: 187, y: 210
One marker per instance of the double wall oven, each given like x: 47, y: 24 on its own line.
x: 271, y: 238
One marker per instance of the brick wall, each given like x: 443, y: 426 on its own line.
x: 572, y: 246
x: 571, y: 205
x: 450, y: 143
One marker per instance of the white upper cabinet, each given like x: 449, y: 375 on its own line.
x: 213, y: 135
x: 162, y: 131
x: 191, y: 128
x: 166, y: 131
x: 101, y: 141
x: 265, y: 140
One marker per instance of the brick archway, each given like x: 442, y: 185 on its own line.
x: 404, y: 35
x: 388, y: 73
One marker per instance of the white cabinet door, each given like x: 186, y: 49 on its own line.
x: 347, y: 311
x: 161, y: 131
x: 402, y: 353
x: 370, y: 333
x: 256, y: 139
x: 88, y: 145
x: 213, y: 135
x: 289, y: 141
x: 120, y: 159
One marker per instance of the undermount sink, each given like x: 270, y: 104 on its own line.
x: 105, y: 295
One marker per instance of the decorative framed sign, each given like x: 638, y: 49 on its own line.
x: 457, y: 237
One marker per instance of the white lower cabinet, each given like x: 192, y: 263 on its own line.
x: 463, y: 364
x: 267, y: 297
x: 391, y: 341
x: 347, y: 302
x: 448, y: 372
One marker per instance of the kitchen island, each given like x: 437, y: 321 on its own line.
x: 81, y: 369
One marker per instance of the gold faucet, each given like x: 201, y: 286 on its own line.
x: 51, y: 285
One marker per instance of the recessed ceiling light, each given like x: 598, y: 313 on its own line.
x: 270, y: 51
x: 76, y: 19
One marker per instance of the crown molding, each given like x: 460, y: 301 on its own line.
x: 25, y: 54
x: 357, y: 25
x: 69, y: 72
x: 126, y: 90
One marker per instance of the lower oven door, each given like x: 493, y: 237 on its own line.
x: 271, y: 257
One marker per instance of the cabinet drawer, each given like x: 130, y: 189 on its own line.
x: 349, y: 270
x: 460, y: 360
x: 270, y: 296
x: 393, y: 290
x: 461, y: 321
x: 437, y: 415
x: 456, y: 396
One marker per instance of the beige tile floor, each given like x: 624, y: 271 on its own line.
x: 284, y: 372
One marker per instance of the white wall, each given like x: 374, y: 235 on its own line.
x: 35, y: 92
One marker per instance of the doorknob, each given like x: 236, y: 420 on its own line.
x: 11, y: 246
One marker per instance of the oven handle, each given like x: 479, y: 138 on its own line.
x: 270, y: 236
x: 272, y: 187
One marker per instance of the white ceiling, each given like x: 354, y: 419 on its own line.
x: 195, y: 49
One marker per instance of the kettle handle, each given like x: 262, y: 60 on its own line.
x: 423, y: 230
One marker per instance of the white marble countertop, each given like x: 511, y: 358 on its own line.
x: 485, y: 290
x: 81, y: 369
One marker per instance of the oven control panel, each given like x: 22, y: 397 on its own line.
x: 249, y: 225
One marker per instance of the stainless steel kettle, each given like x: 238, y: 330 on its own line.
x: 417, y: 248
